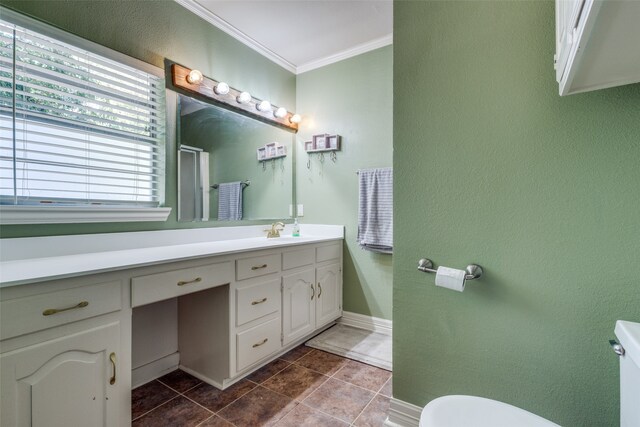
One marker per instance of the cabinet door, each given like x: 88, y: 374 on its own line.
x: 69, y: 381
x: 298, y: 305
x: 328, y: 294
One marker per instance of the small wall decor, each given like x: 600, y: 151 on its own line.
x: 320, y: 142
x: 333, y: 142
x: 323, y: 142
x: 308, y: 146
x: 272, y: 150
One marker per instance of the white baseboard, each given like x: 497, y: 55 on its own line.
x: 402, y: 414
x: 149, y: 372
x: 369, y: 323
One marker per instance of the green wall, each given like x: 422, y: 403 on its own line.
x: 352, y: 98
x: 151, y: 31
x: 493, y: 167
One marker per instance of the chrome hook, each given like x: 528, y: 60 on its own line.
x: 334, y: 156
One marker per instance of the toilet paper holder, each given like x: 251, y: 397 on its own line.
x: 474, y: 271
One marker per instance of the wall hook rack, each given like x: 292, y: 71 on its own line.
x: 474, y: 271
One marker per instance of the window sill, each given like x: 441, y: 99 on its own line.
x: 76, y: 214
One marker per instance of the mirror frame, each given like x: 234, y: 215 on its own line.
x: 198, y: 96
x: 204, y: 91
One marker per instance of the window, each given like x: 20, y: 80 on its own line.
x: 77, y: 128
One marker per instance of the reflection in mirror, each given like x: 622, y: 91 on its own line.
x: 193, y: 179
x: 232, y: 142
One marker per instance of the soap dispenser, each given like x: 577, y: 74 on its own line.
x: 296, y: 228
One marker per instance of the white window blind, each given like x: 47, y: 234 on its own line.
x: 76, y: 128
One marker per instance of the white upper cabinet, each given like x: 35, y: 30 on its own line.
x: 597, y: 44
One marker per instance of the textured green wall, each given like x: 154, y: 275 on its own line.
x: 492, y: 166
x: 352, y: 98
x: 151, y: 31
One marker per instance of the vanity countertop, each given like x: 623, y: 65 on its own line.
x: 38, y: 259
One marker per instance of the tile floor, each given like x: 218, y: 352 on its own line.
x: 304, y: 387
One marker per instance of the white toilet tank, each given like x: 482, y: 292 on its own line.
x: 628, y: 334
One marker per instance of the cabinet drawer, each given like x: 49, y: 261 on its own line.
x: 253, y: 302
x: 297, y: 258
x: 326, y: 253
x: 161, y: 286
x: 29, y: 314
x: 257, y: 266
x: 257, y: 343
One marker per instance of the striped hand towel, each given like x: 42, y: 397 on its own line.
x: 375, y: 210
x: 230, y: 201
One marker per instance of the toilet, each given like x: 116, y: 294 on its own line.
x: 473, y: 411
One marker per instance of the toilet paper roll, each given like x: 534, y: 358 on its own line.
x: 450, y: 278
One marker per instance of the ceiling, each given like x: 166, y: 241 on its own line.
x: 302, y: 35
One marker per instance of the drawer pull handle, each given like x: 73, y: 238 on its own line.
x: 259, y: 301
x: 112, y: 358
x: 186, y: 282
x: 320, y: 290
x: 258, y: 267
x: 51, y: 311
x: 258, y: 344
x: 313, y: 291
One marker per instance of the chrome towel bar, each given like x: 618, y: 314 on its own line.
x: 474, y: 271
x: 244, y: 184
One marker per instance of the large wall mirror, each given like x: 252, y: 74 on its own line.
x: 230, y: 141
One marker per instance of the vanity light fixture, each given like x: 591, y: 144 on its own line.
x: 221, y: 88
x: 244, y: 98
x: 223, y: 95
x: 195, y: 77
x: 263, y: 106
x: 280, y: 113
x: 296, y: 118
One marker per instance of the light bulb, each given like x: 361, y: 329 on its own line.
x: 295, y: 118
x: 244, y: 98
x: 194, y: 77
x: 221, y: 88
x: 280, y: 112
x: 264, y: 106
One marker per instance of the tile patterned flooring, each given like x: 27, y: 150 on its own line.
x: 304, y: 387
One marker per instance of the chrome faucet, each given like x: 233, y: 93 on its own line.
x: 276, y: 228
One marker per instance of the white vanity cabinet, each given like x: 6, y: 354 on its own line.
x: 62, y: 357
x: 66, y: 344
x: 256, y: 328
x: 298, y: 305
x: 328, y: 293
x: 312, y: 291
x: 70, y: 381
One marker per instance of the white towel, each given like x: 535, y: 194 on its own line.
x: 230, y: 201
x: 375, y: 210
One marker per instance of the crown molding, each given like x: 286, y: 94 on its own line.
x: 221, y: 24
x: 345, y: 54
